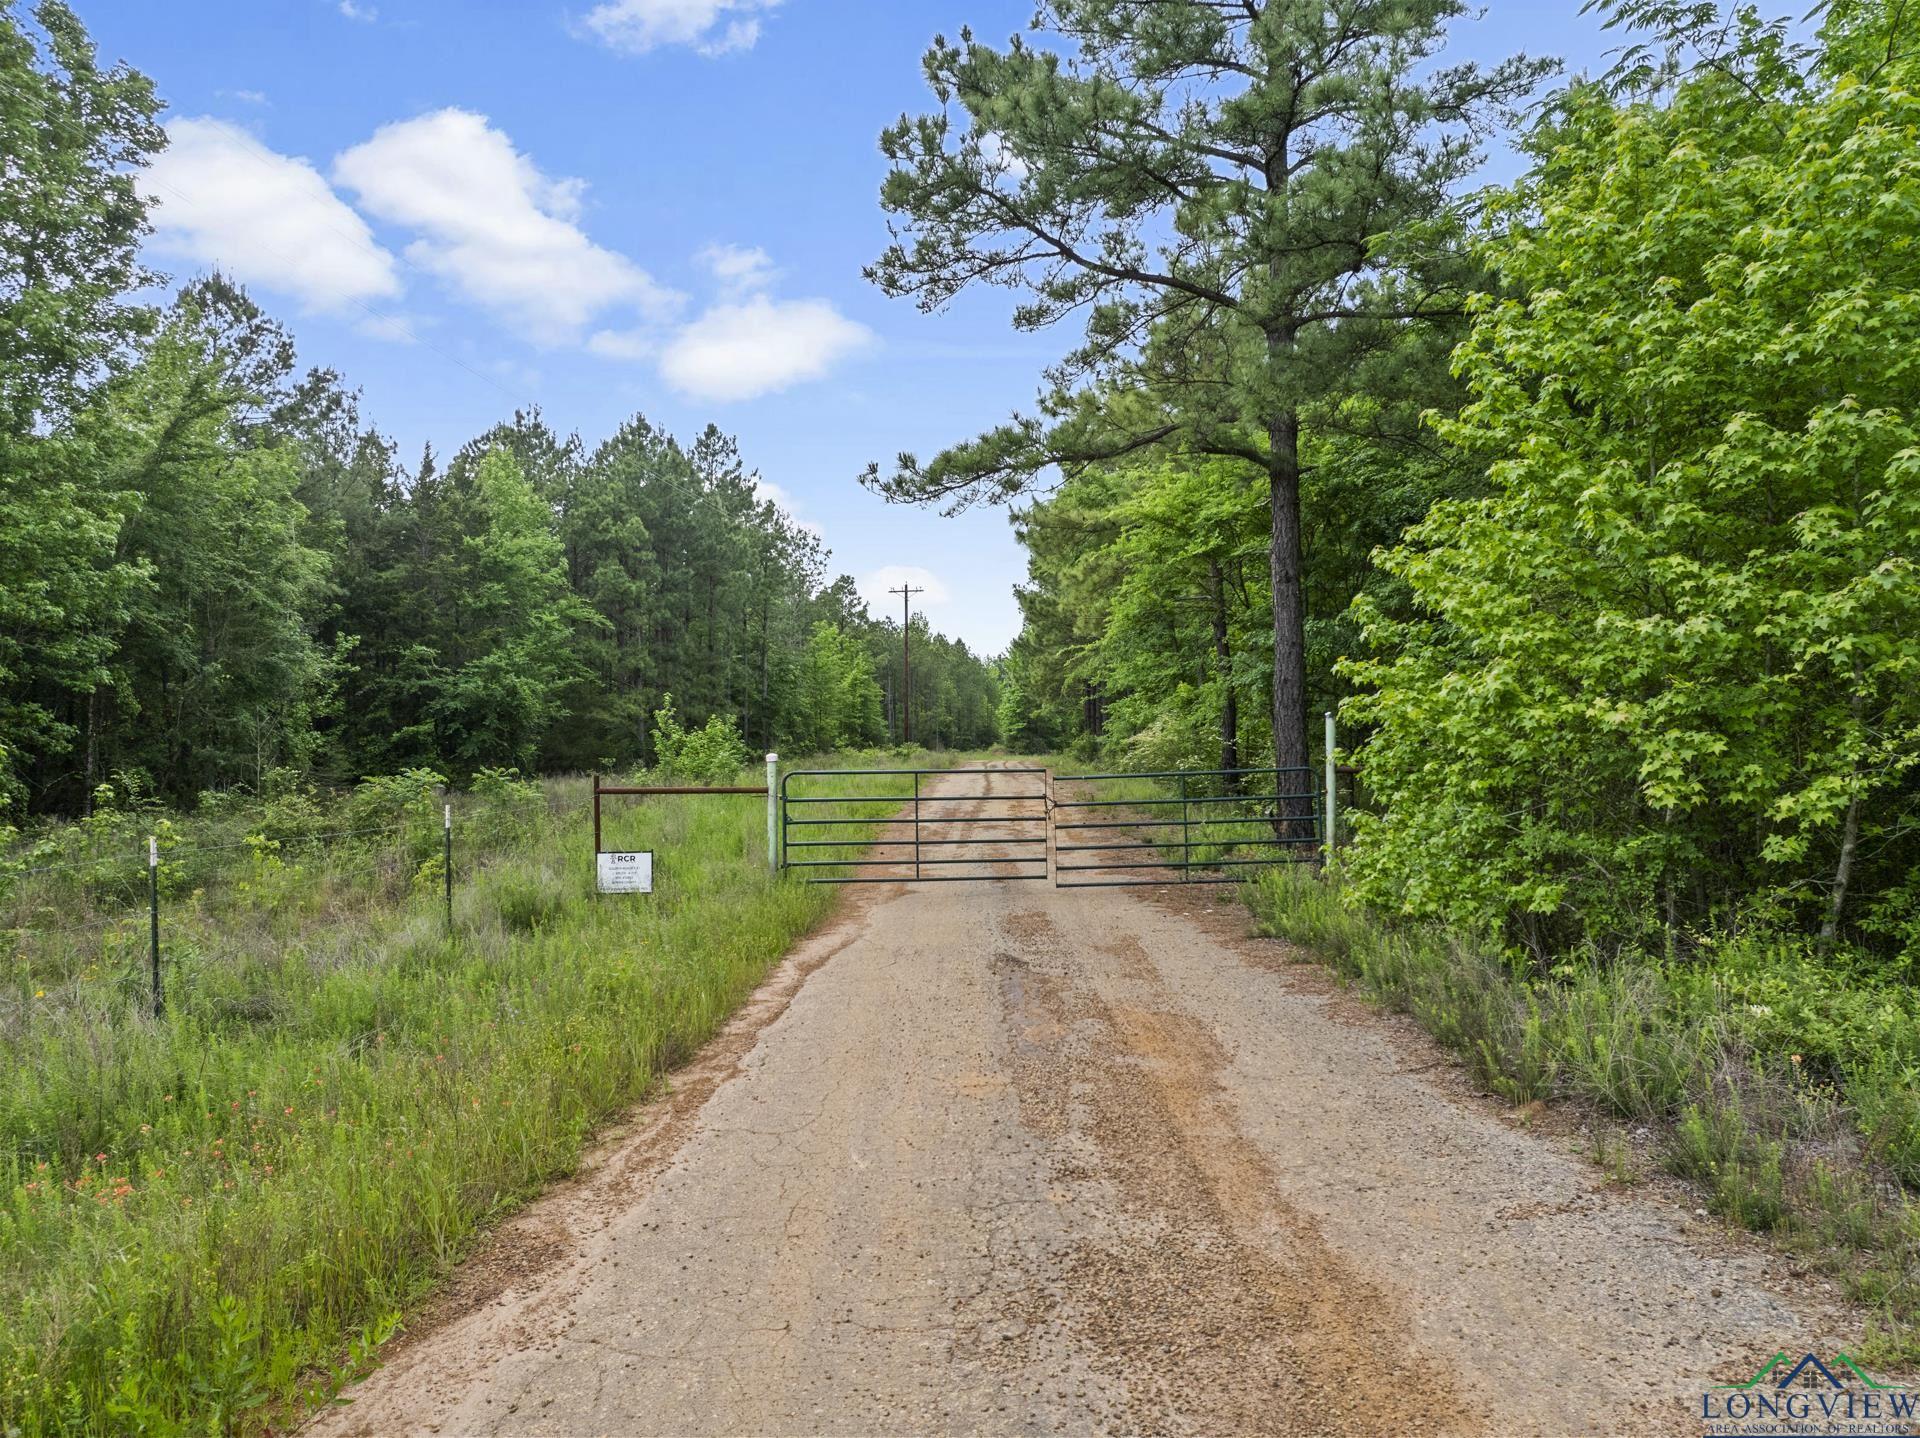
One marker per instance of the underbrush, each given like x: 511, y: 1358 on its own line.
x: 1785, y: 1087
x: 218, y: 1215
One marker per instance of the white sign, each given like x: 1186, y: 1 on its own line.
x: 626, y: 873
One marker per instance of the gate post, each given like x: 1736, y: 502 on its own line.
x: 773, y: 812
x: 1332, y: 809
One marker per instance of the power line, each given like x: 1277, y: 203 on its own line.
x: 906, y: 593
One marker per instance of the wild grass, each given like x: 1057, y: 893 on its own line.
x: 216, y: 1216
x: 1803, y: 1154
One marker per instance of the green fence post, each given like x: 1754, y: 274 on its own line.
x: 1186, y: 835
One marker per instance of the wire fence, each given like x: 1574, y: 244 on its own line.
x: 163, y: 867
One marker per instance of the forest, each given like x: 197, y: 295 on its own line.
x: 214, y: 569
x: 1603, y: 486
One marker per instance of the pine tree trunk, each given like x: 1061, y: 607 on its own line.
x: 1289, y: 618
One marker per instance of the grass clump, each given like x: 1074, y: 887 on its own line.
x: 1785, y: 1088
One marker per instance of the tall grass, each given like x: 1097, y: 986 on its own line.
x: 215, y: 1214
x: 1812, y: 1156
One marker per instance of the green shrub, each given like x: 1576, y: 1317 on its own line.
x: 1887, y: 1097
x: 712, y: 754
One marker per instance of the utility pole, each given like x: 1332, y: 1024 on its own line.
x: 906, y: 593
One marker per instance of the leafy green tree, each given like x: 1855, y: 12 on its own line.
x: 216, y: 677
x: 837, y: 701
x: 72, y: 136
x: 953, y: 694
x: 612, y: 565
x: 510, y: 652
x: 686, y: 581
x: 1665, y: 671
x: 1262, y: 195
x: 712, y: 754
x: 1173, y: 650
x: 1147, y: 608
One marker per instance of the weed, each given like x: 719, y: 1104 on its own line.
x: 1611, y: 1153
x: 1781, y: 1144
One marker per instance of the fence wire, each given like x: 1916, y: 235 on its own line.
x: 397, y: 862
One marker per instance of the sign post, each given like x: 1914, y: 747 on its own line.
x: 447, y: 857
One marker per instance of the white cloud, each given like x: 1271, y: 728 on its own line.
x: 746, y: 344
x: 713, y: 27
x: 494, y: 227
x: 1000, y: 157
x: 875, y: 586
x: 742, y: 349
x: 634, y: 344
x: 365, y: 14
x: 267, y: 219
x: 515, y: 372
x: 739, y: 270
x: 245, y: 97
x: 773, y: 494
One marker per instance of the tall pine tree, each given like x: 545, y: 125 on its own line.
x: 1260, y: 197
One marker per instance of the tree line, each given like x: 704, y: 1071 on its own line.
x: 1591, y: 501
x: 212, y: 568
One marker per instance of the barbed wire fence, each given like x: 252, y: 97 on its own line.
x: 156, y: 870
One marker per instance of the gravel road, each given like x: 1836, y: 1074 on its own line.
x: 1006, y: 1158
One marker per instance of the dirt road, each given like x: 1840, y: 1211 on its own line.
x: 1004, y: 1158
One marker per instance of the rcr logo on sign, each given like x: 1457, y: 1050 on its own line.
x: 626, y: 873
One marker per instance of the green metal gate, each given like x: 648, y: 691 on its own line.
x: 949, y: 826
x: 1188, y: 826
x: 946, y: 826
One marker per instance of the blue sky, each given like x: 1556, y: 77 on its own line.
x: 655, y: 206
